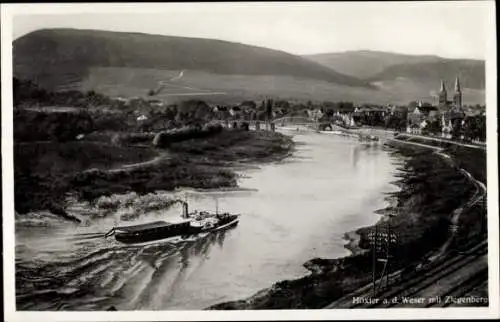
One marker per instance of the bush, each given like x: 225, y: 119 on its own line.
x: 164, y: 139
x: 32, y: 125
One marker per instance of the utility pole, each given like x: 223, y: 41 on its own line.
x: 388, y: 253
x: 374, y: 262
x: 382, y: 243
x: 269, y: 113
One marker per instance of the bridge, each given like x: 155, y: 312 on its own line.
x: 270, y: 124
x: 302, y: 122
x: 294, y: 120
x: 254, y: 125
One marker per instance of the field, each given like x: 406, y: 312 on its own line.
x: 220, y: 88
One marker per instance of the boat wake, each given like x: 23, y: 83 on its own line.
x: 129, y: 276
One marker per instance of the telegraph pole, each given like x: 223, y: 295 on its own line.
x: 389, y: 239
x: 382, y: 243
x: 374, y: 263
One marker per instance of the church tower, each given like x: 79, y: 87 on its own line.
x: 443, y: 96
x: 457, y: 97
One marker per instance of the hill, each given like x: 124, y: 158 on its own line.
x: 471, y: 72
x: 366, y: 63
x: 384, y: 66
x: 130, y: 65
x: 53, y: 57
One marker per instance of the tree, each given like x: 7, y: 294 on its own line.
x: 456, y: 130
x: 269, y: 109
x: 482, y: 128
x: 170, y: 113
x: 283, y: 104
x: 474, y: 128
x: 433, y: 127
x: 345, y: 106
x: 251, y: 104
x: 412, y: 104
x: 329, y: 112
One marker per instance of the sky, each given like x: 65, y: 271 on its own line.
x: 447, y: 29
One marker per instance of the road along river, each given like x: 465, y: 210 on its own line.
x: 291, y: 211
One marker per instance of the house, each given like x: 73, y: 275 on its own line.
x: 344, y: 119
x: 278, y: 112
x: 155, y: 103
x: 219, y: 108
x: 315, y: 114
x: 141, y: 118
x: 416, y: 121
x: 235, y: 111
x: 433, y: 116
x: 446, y: 127
x: 121, y: 99
x: 220, y: 112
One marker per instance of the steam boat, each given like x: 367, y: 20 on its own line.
x: 191, y: 224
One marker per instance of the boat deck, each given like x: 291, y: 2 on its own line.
x: 155, y: 224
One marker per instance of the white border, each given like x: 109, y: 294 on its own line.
x: 8, y: 11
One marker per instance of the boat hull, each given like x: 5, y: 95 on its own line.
x: 183, y: 230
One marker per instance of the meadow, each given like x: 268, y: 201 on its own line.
x: 212, y: 87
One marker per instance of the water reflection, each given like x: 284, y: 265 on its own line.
x: 355, y: 155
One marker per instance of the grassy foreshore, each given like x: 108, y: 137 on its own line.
x: 46, y: 172
x: 430, y: 190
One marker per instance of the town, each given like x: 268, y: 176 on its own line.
x: 442, y: 118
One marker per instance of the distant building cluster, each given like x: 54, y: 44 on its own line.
x: 448, y: 115
x: 248, y: 111
x: 447, y: 118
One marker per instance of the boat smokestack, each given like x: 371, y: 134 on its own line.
x: 186, y: 209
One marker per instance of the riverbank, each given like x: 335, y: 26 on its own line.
x: 47, y: 172
x: 353, y: 238
x: 430, y: 191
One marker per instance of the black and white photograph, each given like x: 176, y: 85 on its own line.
x: 249, y: 160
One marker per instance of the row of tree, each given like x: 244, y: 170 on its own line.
x: 470, y: 128
x: 26, y: 92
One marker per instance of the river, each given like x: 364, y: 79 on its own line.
x: 291, y: 211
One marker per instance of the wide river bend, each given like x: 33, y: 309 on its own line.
x: 291, y: 211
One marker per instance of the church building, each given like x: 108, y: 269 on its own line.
x: 449, y: 119
x: 444, y: 104
x: 449, y: 113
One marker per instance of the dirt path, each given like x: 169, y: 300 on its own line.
x: 128, y: 167
x: 194, y: 94
x: 132, y: 166
x: 438, y: 149
x: 171, y: 82
x: 457, y: 213
x: 389, y: 134
x: 473, y: 146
